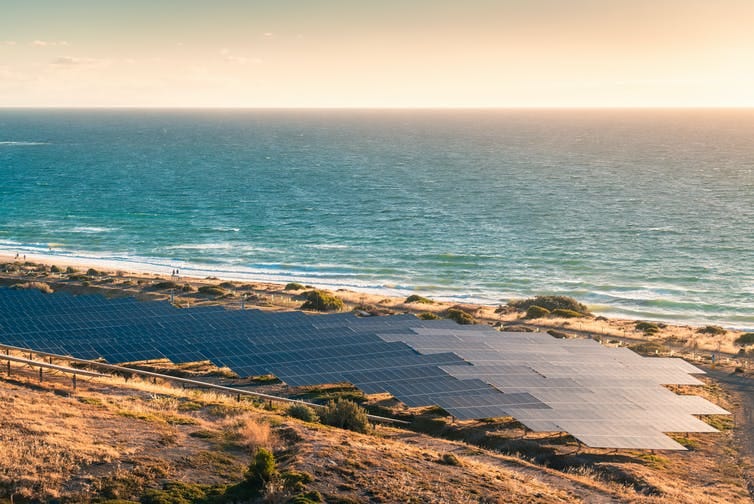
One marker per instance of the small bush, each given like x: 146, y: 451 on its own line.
x: 450, y: 459
x: 535, y: 311
x: 550, y: 303
x: 311, y: 497
x: 649, y: 347
x: 69, y: 270
x: 212, y: 290
x: 745, y: 339
x: 187, y: 288
x: 322, y: 301
x: 262, y: 469
x: 295, y: 480
x: 176, y: 492
x: 415, y: 298
x: 294, y: 286
x: 712, y: 329
x: 93, y: 272
x: 303, y: 412
x: 54, y: 269
x: 459, y: 316
x: 428, y: 316
x: 564, y: 313
x: 165, y: 285
x: 346, y: 415
x: 40, y: 286
x: 647, y: 328
x: 557, y: 334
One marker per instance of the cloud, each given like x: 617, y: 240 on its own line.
x: 238, y: 60
x: 8, y: 42
x: 69, y: 61
x: 49, y: 43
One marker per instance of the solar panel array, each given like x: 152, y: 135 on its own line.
x: 605, y: 397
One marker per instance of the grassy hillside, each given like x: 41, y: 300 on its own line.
x: 144, y: 442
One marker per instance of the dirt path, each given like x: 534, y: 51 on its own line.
x: 743, y: 389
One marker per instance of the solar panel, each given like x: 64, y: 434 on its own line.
x: 605, y: 397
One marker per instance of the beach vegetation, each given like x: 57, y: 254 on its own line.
x: 550, y: 303
x: 322, y: 301
x: 227, y: 285
x: 187, y: 288
x: 428, y: 316
x: 93, y: 272
x: 459, y: 316
x: 346, y: 414
x: 565, y: 313
x: 415, y: 298
x: 295, y: 286
x: 647, y: 328
x: 713, y: 330
x: 69, y: 270
x: 54, y: 269
x: 303, y: 412
x: 165, y: 285
x: 536, y: 311
x: 212, y: 290
x: 745, y: 339
x: 649, y: 348
x: 40, y: 286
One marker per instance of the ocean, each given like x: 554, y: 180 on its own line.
x: 643, y: 214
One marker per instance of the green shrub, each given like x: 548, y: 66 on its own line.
x: 294, y: 286
x: 296, y: 481
x: 303, y: 412
x: 565, y: 313
x: 94, y: 272
x: 54, y: 269
x: 176, y: 492
x: 535, y: 311
x: 346, y: 415
x: 550, y: 303
x: 428, y: 316
x: 459, y: 316
x: 311, y: 497
x: 212, y: 290
x: 745, y: 339
x: 322, y: 301
x: 415, y: 298
x: 648, y: 328
x: 712, y: 329
x: 187, y: 288
x: 69, y: 270
x: 262, y: 469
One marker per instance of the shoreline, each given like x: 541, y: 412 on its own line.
x: 265, y: 295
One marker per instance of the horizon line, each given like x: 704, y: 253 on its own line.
x: 376, y: 108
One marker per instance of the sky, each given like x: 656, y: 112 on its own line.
x: 387, y: 53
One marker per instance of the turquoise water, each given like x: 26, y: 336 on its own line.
x: 641, y: 214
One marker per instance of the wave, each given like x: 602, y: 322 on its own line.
x: 328, y: 246
x: 23, y: 143
x: 92, y: 229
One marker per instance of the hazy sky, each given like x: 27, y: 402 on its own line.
x: 381, y: 53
